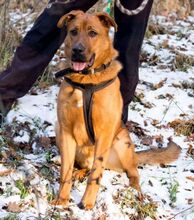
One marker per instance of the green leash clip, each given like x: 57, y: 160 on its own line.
x: 108, y: 8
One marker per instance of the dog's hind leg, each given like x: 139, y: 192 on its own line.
x: 123, y: 158
x: 67, y: 146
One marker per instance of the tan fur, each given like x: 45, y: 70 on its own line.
x: 113, y: 147
x: 159, y: 156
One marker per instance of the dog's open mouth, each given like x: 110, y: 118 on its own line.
x: 80, y: 65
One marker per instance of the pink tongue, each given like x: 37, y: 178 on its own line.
x: 77, y: 66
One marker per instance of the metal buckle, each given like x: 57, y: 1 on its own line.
x: 49, y: 5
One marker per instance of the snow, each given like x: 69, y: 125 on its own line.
x: 42, y: 174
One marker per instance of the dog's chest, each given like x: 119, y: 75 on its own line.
x: 73, y: 114
x: 74, y: 98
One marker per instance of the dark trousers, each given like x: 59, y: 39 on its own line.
x: 42, y: 41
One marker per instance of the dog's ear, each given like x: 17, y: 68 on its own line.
x: 65, y: 19
x: 106, y: 20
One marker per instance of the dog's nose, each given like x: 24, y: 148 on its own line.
x: 78, y: 49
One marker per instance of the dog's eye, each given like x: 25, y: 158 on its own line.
x: 92, y: 33
x: 74, y: 32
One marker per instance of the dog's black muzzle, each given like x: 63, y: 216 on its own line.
x: 78, y: 54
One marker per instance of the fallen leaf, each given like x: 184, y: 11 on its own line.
x: 150, y: 183
x: 13, y: 207
x: 5, y: 172
x: 176, y: 85
x: 190, y: 150
x: 159, y: 138
x: 148, y: 105
x: 148, y: 140
x: 102, y: 217
x: 190, y: 178
x: 135, y: 128
x: 155, y: 122
x: 190, y: 201
x: 160, y: 84
x: 45, y: 141
x: 145, y: 123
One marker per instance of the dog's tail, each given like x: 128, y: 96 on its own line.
x: 159, y: 156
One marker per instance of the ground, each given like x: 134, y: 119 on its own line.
x: 163, y: 109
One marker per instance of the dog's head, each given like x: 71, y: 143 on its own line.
x: 87, y: 44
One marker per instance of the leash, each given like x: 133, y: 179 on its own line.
x: 131, y: 12
x: 108, y: 9
x: 88, y: 92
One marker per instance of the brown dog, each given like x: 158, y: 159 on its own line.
x: 92, y: 62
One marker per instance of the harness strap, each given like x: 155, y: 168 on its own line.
x: 88, y: 91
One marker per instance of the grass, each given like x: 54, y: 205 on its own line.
x: 8, y: 44
x: 22, y: 186
x: 182, y: 62
x: 11, y: 217
x: 9, y: 37
x: 45, y: 80
x: 173, y: 190
x: 154, y: 29
x: 145, y: 208
x: 183, y: 127
x: 54, y: 216
x: 3, y: 139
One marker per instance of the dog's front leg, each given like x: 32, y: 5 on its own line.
x: 67, y: 146
x: 102, y: 150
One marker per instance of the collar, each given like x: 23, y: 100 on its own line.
x: 67, y: 71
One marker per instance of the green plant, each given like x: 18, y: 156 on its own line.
x: 45, y: 171
x: 50, y: 196
x: 146, y: 208
x: 11, y: 217
x: 3, y: 140
x: 49, y: 156
x: 22, y: 187
x: 173, y: 189
x: 8, y: 191
x: 54, y: 216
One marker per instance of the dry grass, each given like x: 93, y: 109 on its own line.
x: 128, y: 198
x: 183, y: 127
x: 183, y: 62
x: 9, y: 35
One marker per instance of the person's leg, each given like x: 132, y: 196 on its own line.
x: 35, y: 52
x: 128, y: 41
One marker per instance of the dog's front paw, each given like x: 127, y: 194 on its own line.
x: 87, y: 202
x: 60, y: 201
x: 88, y: 206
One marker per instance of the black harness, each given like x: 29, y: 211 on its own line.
x: 88, y: 91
